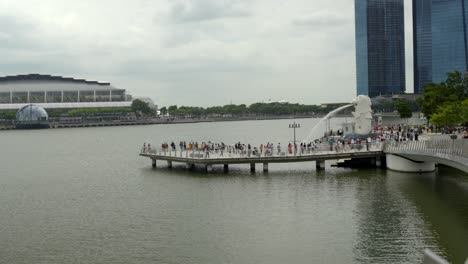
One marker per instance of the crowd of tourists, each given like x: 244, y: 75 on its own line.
x: 240, y: 149
x: 332, y: 141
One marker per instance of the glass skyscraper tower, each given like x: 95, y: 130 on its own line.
x: 440, y: 40
x: 380, y: 47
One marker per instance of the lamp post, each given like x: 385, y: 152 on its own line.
x: 294, y: 126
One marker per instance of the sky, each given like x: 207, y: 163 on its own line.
x: 192, y: 52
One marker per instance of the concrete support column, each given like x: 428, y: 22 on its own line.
x: 189, y: 166
x: 226, y: 168
x: 252, y: 167
x: 378, y: 162
x: 94, y: 95
x: 62, y: 97
x: 169, y: 164
x: 29, y: 97
x: 78, y: 96
x: 45, y: 97
x: 208, y: 168
x: 153, y: 162
x: 398, y: 163
x: 265, y: 167
x: 320, y: 164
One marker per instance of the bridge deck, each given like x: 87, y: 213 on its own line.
x: 440, y: 150
x: 195, y: 157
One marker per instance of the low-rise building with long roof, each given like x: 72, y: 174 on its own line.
x: 55, y: 92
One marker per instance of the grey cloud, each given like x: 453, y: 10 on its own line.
x: 186, y: 11
x: 176, y: 68
x: 17, y: 34
x: 322, y: 20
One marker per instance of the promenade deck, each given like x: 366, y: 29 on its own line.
x: 192, y: 158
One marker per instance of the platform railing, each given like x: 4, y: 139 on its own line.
x: 455, y: 147
x: 323, y: 148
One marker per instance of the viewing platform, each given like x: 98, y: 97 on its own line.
x: 408, y: 156
x: 372, y: 152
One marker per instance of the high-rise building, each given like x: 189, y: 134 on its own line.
x: 380, y: 47
x: 440, y: 40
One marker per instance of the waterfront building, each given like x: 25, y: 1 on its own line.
x: 440, y: 40
x: 380, y: 47
x: 55, y: 92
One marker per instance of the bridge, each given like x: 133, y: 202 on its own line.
x: 410, y: 156
x: 421, y: 156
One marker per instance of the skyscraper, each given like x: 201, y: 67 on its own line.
x: 440, y: 40
x: 380, y: 47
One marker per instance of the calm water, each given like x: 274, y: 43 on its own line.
x: 85, y: 196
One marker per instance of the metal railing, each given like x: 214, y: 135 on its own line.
x: 435, y: 147
x: 323, y: 148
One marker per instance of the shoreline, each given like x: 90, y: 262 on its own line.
x: 143, y: 122
x: 159, y: 121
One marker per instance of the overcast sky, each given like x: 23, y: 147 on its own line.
x: 192, y: 52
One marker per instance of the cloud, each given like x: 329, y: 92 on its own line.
x: 244, y: 51
x: 17, y: 33
x: 322, y: 20
x: 187, y: 11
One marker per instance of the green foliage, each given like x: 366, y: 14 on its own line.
x: 57, y: 112
x: 172, y: 109
x: 442, y: 103
x: 8, y: 114
x: 163, y: 110
x: 257, y: 109
x: 435, y: 96
x: 451, y: 114
x: 464, y: 111
x: 404, y: 109
x: 141, y: 107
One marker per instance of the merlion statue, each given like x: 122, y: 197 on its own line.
x: 362, y: 115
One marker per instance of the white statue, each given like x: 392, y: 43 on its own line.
x: 362, y: 115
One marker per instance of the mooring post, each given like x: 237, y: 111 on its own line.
x: 169, y: 164
x: 265, y: 167
x: 252, y: 167
x: 320, y: 164
x: 153, y: 162
x: 208, y: 168
x: 226, y: 168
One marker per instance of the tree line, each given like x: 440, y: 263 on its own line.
x: 258, y: 109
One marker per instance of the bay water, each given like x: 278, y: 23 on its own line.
x: 85, y: 196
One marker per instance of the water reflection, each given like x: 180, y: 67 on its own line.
x: 390, y: 229
x: 442, y: 200
x: 409, y: 212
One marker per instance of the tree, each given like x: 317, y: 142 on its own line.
x: 436, y: 96
x: 404, y: 109
x: 451, y: 114
x: 163, y: 110
x: 172, y: 109
x: 464, y: 112
x: 141, y: 107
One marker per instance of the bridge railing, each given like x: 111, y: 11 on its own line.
x: 455, y: 147
x: 323, y: 148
